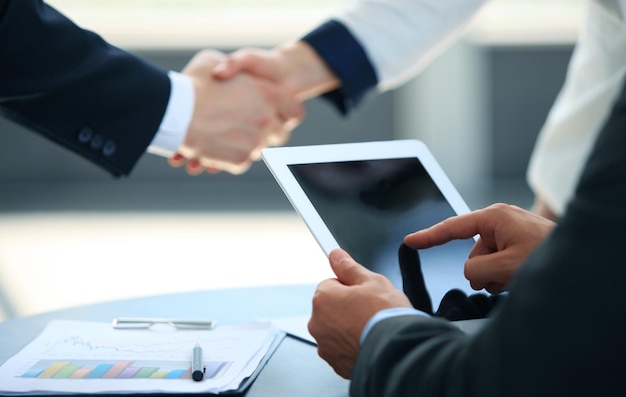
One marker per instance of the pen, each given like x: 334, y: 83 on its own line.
x: 197, y: 367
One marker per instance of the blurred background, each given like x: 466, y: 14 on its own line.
x: 71, y: 235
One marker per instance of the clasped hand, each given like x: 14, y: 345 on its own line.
x: 233, y: 119
x: 247, y: 101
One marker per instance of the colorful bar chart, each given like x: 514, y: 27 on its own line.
x: 122, y: 369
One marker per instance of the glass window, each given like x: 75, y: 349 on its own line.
x: 236, y: 23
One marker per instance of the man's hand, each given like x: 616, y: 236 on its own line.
x: 508, y: 234
x: 295, y: 66
x: 342, y: 307
x: 233, y: 120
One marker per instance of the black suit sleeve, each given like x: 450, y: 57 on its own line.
x: 561, y: 332
x: 71, y: 86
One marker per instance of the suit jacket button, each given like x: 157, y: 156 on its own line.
x: 85, y: 135
x: 96, y: 142
x: 109, y: 148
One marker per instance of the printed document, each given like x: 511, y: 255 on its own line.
x: 91, y: 357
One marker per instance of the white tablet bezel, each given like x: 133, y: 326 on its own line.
x: 278, y: 160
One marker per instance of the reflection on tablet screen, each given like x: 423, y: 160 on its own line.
x: 370, y: 205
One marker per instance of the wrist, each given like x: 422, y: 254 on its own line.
x: 309, y: 74
x: 177, y: 116
x: 540, y: 207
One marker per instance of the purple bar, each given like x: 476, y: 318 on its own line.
x: 212, y: 368
x: 128, y: 372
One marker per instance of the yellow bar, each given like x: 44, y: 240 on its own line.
x: 158, y: 375
x: 53, y: 369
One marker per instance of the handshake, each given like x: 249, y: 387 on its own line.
x: 247, y: 101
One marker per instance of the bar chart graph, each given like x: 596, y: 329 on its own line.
x: 120, y: 369
x: 88, y: 358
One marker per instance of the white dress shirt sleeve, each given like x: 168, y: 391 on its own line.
x: 177, y: 117
x: 402, y: 36
x: 385, y: 314
x: 594, y: 78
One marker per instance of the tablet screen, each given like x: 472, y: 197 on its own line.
x: 370, y: 205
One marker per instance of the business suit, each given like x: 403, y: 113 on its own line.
x: 561, y: 330
x: 69, y: 85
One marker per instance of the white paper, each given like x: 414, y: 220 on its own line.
x: 91, y: 357
x: 296, y: 326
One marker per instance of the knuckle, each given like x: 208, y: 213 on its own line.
x: 242, y: 159
x: 312, y: 328
x: 317, y: 300
x: 323, y: 353
x: 500, y: 207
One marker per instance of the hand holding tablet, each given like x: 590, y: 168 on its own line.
x: 365, y: 197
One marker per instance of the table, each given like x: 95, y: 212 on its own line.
x: 295, y: 369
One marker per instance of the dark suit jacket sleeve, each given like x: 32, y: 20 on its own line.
x: 345, y: 56
x: 560, y: 332
x: 69, y: 85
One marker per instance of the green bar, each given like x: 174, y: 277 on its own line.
x: 66, y: 372
x: 53, y: 369
x: 145, y: 372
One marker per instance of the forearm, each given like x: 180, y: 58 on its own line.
x: 61, y: 81
x: 335, y: 46
x: 387, y: 364
x: 311, y: 76
x: 380, y: 44
x: 540, y: 207
x: 401, y: 37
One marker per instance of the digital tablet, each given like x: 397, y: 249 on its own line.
x: 366, y: 197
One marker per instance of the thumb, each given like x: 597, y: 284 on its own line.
x: 347, y: 270
x: 260, y: 64
x: 244, y: 61
x: 226, y: 69
x: 490, y: 269
x: 202, y: 61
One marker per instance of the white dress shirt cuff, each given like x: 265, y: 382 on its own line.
x: 385, y: 314
x: 177, y: 117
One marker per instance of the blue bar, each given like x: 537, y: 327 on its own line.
x: 99, y: 371
x: 32, y: 373
x: 175, y: 374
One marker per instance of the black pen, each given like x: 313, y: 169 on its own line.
x: 197, y: 367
